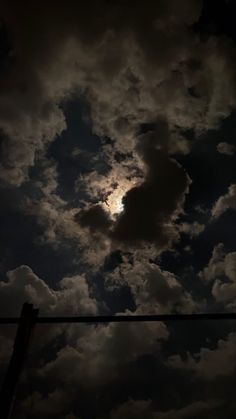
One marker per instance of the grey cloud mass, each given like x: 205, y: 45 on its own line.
x: 137, y: 409
x: 23, y: 285
x: 118, y: 196
x: 225, y: 202
x: 156, y: 201
x: 226, y: 148
x: 131, y: 83
x: 221, y: 272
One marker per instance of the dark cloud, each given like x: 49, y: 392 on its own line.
x: 150, y: 208
x: 115, y: 56
x: 137, y: 409
x: 95, y: 217
x: 203, y: 364
x: 156, y: 84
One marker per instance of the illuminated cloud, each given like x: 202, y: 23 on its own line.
x: 221, y: 272
x: 226, y: 148
x: 76, y: 54
x: 153, y: 290
x: 22, y: 285
x: 210, y: 363
x: 225, y: 202
x: 110, y: 118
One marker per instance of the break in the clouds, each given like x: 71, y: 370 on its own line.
x: 117, y: 190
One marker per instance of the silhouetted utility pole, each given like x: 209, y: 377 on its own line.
x: 20, y: 349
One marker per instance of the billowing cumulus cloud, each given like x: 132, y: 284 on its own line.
x: 115, y: 59
x: 153, y: 290
x: 221, y: 272
x: 210, y: 363
x: 225, y: 202
x: 59, y: 219
x: 22, y: 285
x: 109, y: 114
x: 100, y: 351
x: 114, y: 56
x: 94, y: 357
x: 216, y: 265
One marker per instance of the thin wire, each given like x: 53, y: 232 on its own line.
x: 125, y: 318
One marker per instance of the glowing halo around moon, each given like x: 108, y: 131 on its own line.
x: 114, y: 202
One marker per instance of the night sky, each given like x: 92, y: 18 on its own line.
x: 118, y: 195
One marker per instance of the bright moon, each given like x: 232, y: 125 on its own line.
x: 114, y: 201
